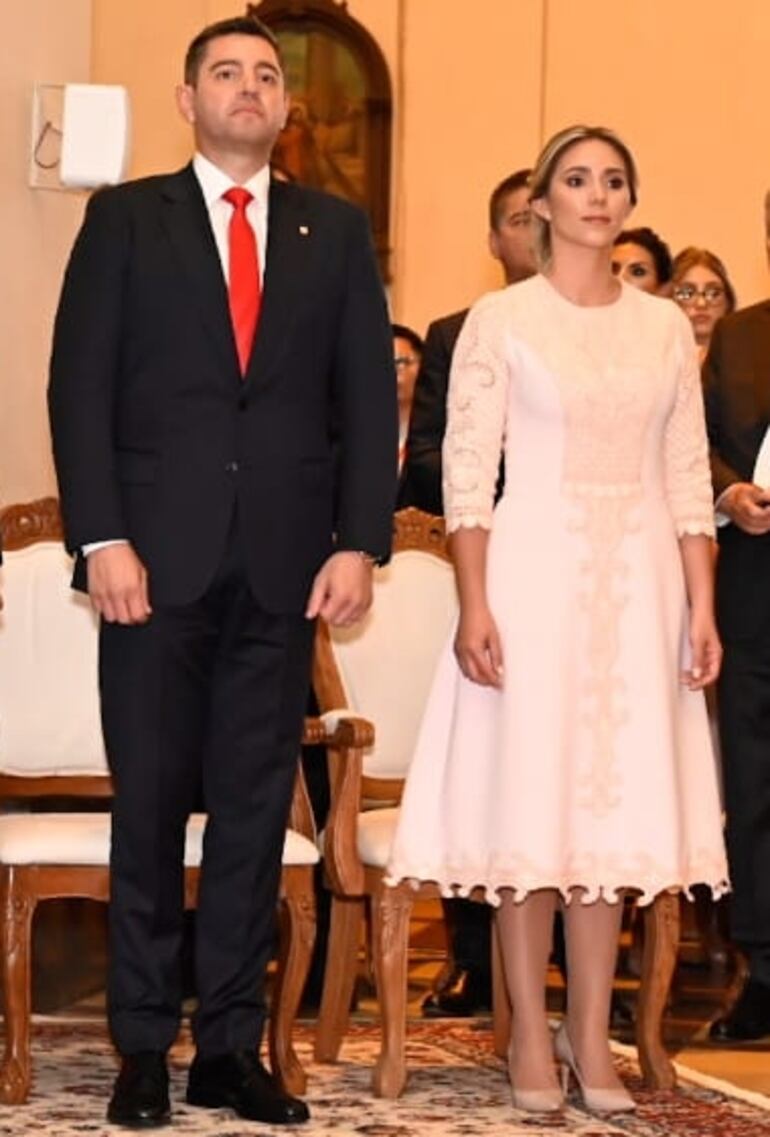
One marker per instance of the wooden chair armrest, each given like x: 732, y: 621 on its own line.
x: 346, y: 739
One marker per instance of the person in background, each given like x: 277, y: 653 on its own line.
x: 407, y: 355
x: 736, y: 379
x: 464, y: 986
x: 510, y: 242
x: 704, y: 292
x: 213, y: 325
x: 642, y: 258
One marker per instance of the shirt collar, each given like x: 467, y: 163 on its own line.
x: 214, y: 182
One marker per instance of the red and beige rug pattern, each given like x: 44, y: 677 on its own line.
x: 456, y: 1088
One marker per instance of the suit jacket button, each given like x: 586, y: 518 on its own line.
x: 242, y: 403
x: 231, y: 467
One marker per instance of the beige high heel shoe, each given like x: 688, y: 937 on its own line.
x: 534, y: 1101
x: 596, y: 1099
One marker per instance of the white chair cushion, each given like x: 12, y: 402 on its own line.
x: 49, y: 698
x: 375, y: 831
x: 84, y: 839
x: 387, y: 662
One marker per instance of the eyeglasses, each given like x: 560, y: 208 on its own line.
x: 688, y: 294
x: 405, y: 361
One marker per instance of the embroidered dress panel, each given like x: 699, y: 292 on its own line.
x: 592, y: 767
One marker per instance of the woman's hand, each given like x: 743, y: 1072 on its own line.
x: 478, y: 648
x: 706, y: 652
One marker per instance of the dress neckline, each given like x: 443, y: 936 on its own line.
x: 584, y: 307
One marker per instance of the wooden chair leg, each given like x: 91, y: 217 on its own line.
x: 661, y: 943
x: 16, y: 910
x: 501, y: 1004
x: 298, y: 929
x: 347, y: 914
x: 391, y: 908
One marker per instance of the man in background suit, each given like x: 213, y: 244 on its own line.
x: 736, y: 378
x: 215, y: 330
x: 464, y: 986
x: 510, y: 242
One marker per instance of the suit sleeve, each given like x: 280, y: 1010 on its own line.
x: 421, y: 481
x: 85, y: 362
x: 714, y: 375
x: 365, y: 382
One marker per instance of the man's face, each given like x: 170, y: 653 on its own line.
x: 238, y: 104
x: 510, y: 241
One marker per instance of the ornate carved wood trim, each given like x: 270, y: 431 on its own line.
x: 332, y: 18
x: 413, y: 529
x: 31, y: 521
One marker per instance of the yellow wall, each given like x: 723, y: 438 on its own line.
x: 686, y: 83
x: 44, y: 41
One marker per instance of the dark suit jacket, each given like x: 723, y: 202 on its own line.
x: 736, y: 380
x: 420, y: 483
x: 157, y: 436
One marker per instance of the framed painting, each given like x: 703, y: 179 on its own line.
x: 338, y: 134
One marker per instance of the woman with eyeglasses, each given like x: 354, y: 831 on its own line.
x: 703, y: 291
x: 643, y: 259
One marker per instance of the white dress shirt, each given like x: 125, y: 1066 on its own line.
x: 215, y: 182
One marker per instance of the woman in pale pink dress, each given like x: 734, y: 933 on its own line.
x: 565, y: 752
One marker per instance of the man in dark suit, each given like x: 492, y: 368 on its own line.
x: 215, y: 330
x: 510, y: 242
x: 464, y: 986
x: 737, y: 393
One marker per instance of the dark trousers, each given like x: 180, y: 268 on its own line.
x: 744, y: 727
x: 206, y: 697
x: 469, y: 928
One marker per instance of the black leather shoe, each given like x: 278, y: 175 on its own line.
x: 749, y: 1017
x: 140, y: 1097
x: 465, y: 992
x: 240, y: 1081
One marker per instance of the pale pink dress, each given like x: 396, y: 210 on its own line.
x: 593, y: 766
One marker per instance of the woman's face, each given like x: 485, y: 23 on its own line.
x: 701, y: 295
x: 636, y: 265
x: 589, y: 198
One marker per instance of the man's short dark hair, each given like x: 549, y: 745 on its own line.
x: 235, y: 26
x: 517, y: 181
x: 406, y: 333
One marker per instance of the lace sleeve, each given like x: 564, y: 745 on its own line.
x: 688, y: 478
x: 478, y: 385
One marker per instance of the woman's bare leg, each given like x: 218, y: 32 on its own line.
x: 526, y: 935
x: 592, y: 932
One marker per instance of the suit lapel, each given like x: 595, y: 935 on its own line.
x: 187, y: 224
x: 760, y: 358
x: 289, y: 248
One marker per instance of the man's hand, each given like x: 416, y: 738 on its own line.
x: 747, y: 506
x: 342, y: 590
x: 118, y: 585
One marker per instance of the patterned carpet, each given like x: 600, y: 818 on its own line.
x: 456, y: 1089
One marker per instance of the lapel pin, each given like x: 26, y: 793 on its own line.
x: 304, y: 230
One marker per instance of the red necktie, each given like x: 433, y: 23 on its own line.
x: 245, y: 290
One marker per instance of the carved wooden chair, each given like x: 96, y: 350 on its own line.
x: 382, y: 670
x: 51, y: 747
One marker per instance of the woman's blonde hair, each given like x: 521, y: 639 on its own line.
x: 546, y: 164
